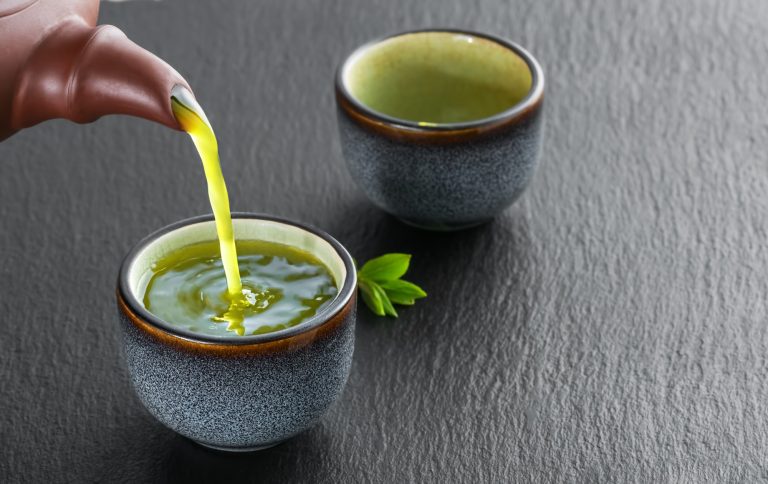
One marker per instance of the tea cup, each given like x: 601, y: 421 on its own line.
x: 441, y: 128
x: 238, y: 393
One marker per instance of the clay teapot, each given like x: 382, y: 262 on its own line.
x: 56, y: 63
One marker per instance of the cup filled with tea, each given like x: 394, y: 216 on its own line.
x: 229, y: 373
x: 440, y: 128
x: 238, y: 328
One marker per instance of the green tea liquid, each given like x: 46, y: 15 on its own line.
x: 282, y: 287
x: 209, y: 289
x: 205, y: 141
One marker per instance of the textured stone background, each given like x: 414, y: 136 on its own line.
x: 609, y: 327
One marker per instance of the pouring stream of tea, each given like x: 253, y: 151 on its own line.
x: 193, y: 120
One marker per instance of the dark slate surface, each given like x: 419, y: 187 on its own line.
x: 609, y: 327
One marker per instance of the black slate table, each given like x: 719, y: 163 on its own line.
x: 610, y: 327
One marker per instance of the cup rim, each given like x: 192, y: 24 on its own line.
x: 336, y: 306
x: 534, y: 96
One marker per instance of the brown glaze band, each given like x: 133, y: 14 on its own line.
x: 407, y: 131
x: 285, y: 345
x: 407, y: 134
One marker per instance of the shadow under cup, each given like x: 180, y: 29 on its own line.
x: 441, y: 128
x: 246, y: 392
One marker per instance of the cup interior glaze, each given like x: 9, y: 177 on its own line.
x: 136, y: 271
x: 439, y: 77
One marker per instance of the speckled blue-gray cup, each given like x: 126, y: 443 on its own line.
x: 441, y: 128
x: 238, y: 393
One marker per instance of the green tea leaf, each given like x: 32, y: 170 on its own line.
x: 388, y: 267
x: 381, y: 286
x: 401, y: 300
x: 403, y: 288
x: 388, y: 308
x: 402, y: 292
x: 371, y: 297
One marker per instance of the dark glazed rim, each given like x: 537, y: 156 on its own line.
x: 336, y: 306
x: 397, y: 127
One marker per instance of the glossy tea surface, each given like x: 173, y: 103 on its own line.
x: 282, y: 286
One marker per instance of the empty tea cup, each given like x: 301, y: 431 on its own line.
x: 440, y: 128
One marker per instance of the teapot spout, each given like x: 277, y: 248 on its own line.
x: 81, y: 73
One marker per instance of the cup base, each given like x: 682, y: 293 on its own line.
x: 443, y: 227
x: 236, y: 449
